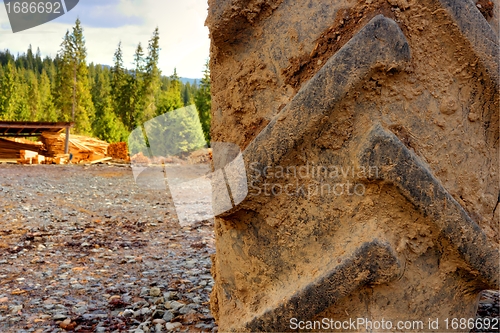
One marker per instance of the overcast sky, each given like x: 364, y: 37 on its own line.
x: 184, y: 39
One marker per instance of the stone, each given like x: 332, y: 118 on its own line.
x: 176, y: 305
x: 67, y: 324
x: 168, y: 316
x: 59, y: 316
x: 128, y: 313
x: 172, y: 326
x: 144, y: 291
x: 185, y: 310
x: 15, y: 309
x: 155, y: 292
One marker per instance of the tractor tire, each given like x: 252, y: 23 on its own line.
x: 369, y: 137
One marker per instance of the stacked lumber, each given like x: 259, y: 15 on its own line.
x: 11, y: 148
x: 118, y: 151
x: 31, y: 157
x: 82, y: 148
x: 95, y: 145
x: 58, y: 159
x: 28, y: 157
x: 54, y: 143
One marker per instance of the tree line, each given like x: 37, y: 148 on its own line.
x: 103, y: 101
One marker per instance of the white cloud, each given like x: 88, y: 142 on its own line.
x: 183, y: 38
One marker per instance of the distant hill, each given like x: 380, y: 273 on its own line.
x: 191, y: 81
x: 184, y: 80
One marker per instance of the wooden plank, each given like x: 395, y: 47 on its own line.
x: 101, y: 160
x: 8, y: 160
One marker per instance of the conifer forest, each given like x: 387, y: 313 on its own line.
x: 106, y: 102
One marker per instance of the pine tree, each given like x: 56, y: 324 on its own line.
x: 203, y: 102
x: 106, y: 125
x: 8, y: 92
x: 38, y: 61
x: 22, y: 110
x: 73, y: 85
x: 170, y: 97
x: 177, y: 132
x: 65, y: 81
x: 134, y: 91
x: 30, y: 59
x: 118, y: 83
x: 49, y: 66
x: 6, y: 57
x: 84, y: 108
x: 34, y: 101
x: 151, y: 77
x: 48, y: 110
x: 187, y: 95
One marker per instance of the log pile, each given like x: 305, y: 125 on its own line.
x: 30, y: 157
x: 82, y: 149
x: 118, y: 151
x: 50, y: 150
x: 11, y: 148
x: 97, y: 146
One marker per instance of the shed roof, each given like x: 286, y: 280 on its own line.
x: 31, y: 128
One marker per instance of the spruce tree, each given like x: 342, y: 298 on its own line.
x: 119, y: 99
x: 187, y: 95
x: 84, y: 108
x: 170, y: 98
x: 30, y: 60
x: 22, y: 110
x: 8, y: 92
x: 34, y: 100
x: 47, y: 108
x: 106, y: 125
x: 151, y: 77
x: 177, y: 132
x: 203, y: 102
x: 65, y: 84
x: 38, y: 61
x: 73, y: 85
x: 135, y: 91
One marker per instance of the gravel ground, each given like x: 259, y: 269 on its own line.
x: 84, y: 249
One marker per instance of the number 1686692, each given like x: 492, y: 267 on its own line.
x: 34, y: 7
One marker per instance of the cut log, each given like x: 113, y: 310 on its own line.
x: 118, y: 151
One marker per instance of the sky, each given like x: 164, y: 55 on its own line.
x: 184, y: 39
